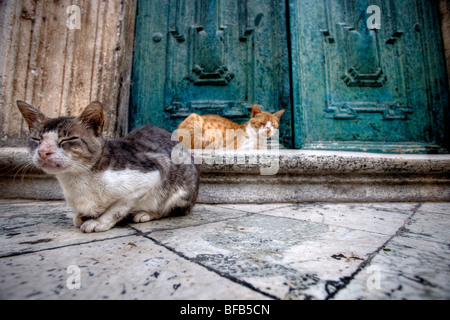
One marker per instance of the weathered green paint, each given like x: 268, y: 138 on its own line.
x: 381, y: 90
x: 210, y: 57
x: 353, y: 87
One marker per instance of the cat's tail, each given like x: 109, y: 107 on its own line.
x: 180, y: 211
x: 183, y: 203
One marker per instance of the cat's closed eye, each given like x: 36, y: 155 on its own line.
x: 65, y: 141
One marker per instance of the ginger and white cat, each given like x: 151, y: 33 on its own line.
x: 107, y: 180
x: 214, y: 132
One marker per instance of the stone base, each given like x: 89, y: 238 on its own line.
x: 277, y: 177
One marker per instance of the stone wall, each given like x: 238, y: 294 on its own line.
x: 59, y: 60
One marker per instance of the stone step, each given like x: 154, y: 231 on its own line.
x: 275, y: 176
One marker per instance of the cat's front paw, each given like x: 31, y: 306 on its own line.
x: 95, y: 226
x: 143, y: 216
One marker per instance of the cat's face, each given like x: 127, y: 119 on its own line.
x: 64, y: 144
x: 265, y: 123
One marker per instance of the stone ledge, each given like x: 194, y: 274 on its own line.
x: 301, y: 176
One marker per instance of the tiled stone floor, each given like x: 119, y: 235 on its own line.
x: 270, y: 251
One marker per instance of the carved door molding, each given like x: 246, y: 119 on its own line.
x: 368, y: 89
x: 354, y: 87
x: 210, y: 57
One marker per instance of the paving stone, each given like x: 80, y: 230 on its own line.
x: 130, y: 267
x: 223, y: 251
x: 255, y: 208
x: 405, y: 269
x: 283, y: 258
x: 371, y: 217
x: 29, y: 226
x: 437, y: 207
x: 201, y: 214
x: 413, y: 265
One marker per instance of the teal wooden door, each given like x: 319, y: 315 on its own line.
x: 368, y: 75
x: 210, y: 57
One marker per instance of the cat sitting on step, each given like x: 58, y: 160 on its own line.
x: 216, y: 132
x: 107, y: 180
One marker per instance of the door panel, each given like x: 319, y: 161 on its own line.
x: 366, y: 88
x: 210, y: 57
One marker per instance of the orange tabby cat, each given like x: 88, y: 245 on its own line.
x: 214, y: 132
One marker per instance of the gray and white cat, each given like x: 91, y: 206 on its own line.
x: 107, y: 180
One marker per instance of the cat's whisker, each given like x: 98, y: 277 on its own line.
x: 21, y: 170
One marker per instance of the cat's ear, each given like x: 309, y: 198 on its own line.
x: 93, y: 117
x: 278, y: 114
x: 255, y: 109
x: 34, y: 118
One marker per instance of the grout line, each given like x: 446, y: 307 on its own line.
x: 14, y: 254
x: 344, y: 281
x: 223, y: 275
x: 145, y: 233
x: 128, y: 225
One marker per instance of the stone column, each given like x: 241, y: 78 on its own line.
x: 61, y: 55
